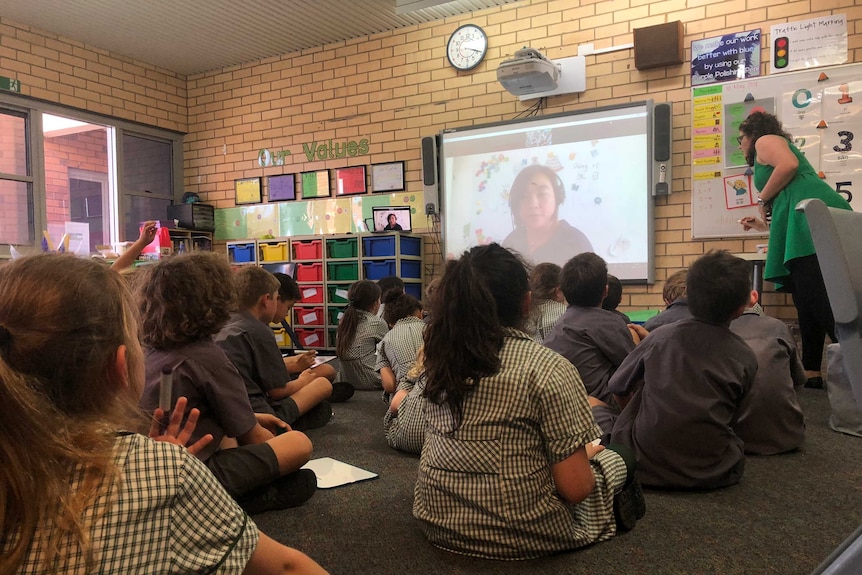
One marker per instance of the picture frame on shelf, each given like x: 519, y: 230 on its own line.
x: 350, y: 181
x: 282, y: 187
x: 315, y: 184
x: 247, y: 191
x: 387, y: 177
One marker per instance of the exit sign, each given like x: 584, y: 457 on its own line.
x: 9, y: 84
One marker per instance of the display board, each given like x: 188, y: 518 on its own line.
x: 821, y: 108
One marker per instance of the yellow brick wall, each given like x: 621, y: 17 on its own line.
x: 396, y: 87
x: 68, y: 72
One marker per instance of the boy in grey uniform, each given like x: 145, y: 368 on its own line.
x: 595, y: 340
x: 683, y: 387
x: 770, y: 418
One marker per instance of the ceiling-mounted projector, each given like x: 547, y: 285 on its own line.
x: 528, y: 73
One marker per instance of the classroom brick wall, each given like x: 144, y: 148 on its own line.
x: 86, y: 151
x: 396, y: 87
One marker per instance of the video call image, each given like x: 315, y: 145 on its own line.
x: 591, y: 193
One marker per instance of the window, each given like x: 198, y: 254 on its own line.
x: 63, y: 170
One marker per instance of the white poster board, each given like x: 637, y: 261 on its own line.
x: 821, y: 108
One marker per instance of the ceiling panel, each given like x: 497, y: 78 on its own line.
x: 189, y: 37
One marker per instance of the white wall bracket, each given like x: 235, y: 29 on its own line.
x: 573, y: 78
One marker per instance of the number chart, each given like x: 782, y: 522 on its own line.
x: 820, y: 107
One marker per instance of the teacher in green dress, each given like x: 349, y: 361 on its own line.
x: 785, y: 177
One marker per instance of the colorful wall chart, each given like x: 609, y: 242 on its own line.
x: 821, y: 108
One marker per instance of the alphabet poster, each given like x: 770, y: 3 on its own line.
x: 821, y: 108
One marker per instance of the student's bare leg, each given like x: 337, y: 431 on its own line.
x: 292, y: 450
x: 311, y: 394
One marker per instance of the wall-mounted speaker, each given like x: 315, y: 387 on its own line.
x: 662, y: 140
x: 659, y: 45
x: 429, y: 175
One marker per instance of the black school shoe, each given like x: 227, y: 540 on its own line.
x: 317, y: 416
x: 629, y: 505
x: 285, y: 492
x: 341, y: 391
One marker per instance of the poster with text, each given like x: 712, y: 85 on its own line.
x: 723, y: 58
x: 808, y: 43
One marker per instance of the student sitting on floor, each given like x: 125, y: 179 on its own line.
x: 614, y: 297
x: 359, y: 332
x: 184, y: 301
x: 81, y: 492
x: 508, y: 469
x: 674, y: 297
x: 404, y: 423
x: 250, y: 344
x: 595, y: 340
x: 299, y: 365
x: 549, y: 304
x: 770, y: 417
x: 396, y: 352
x: 683, y: 387
x: 385, y: 284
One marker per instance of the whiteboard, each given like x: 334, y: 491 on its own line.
x: 821, y: 108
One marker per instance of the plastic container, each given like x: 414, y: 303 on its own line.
x: 306, y: 249
x: 378, y: 270
x: 273, y: 252
x: 411, y: 269
x: 342, y: 271
x: 334, y: 314
x: 308, y: 316
x: 341, y: 248
x: 311, y: 338
x: 336, y: 294
x: 309, y: 272
x: 411, y: 246
x: 241, y: 253
x: 311, y: 294
x: 281, y: 337
x: 378, y: 246
x: 413, y: 289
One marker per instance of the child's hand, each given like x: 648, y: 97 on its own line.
x: 752, y: 223
x: 592, y: 449
x: 305, y: 359
x: 272, y: 423
x: 173, y: 433
x: 148, y: 233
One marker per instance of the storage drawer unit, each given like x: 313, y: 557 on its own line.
x: 241, y: 253
x: 378, y: 246
x: 308, y: 316
x: 337, y: 294
x: 375, y: 270
x: 273, y: 252
x: 335, y: 313
x: 311, y: 293
x: 306, y: 249
x: 309, y: 272
x: 414, y: 289
x: 342, y: 271
x: 310, y: 338
x: 341, y: 248
x: 411, y: 269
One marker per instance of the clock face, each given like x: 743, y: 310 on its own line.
x: 467, y: 46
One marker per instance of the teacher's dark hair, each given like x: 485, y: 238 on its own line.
x: 761, y: 124
x: 479, y: 295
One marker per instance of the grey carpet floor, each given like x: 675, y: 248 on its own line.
x: 787, y: 515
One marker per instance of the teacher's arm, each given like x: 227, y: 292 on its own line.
x: 775, y: 151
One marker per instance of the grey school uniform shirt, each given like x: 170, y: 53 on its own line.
x: 689, y: 381
x: 770, y: 419
x: 203, y: 374
x: 357, y: 365
x: 596, y: 341
x: 251, y: 346
x: 674, y: 312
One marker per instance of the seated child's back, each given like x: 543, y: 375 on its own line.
x: 685, y: 382
x: 770, y: 420
x: 359, y: 332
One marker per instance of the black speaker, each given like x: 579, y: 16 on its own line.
x: 429, y: 174
x: 661, y: 132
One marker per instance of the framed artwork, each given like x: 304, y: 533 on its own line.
x: 387, y: 177
x: 282, y: 187
x: 315, y: 184
x: 349, y: 181
x: 247, y: 191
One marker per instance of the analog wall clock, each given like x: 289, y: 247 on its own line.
x: 467, y: 47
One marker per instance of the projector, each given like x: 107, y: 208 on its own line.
x: 528, y: 73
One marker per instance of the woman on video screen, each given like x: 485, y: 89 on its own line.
x: 539, y: 234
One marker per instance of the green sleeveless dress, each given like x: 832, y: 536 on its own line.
x: 789, y: 236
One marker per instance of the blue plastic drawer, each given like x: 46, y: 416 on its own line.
x: 411, y: 246
x: 241, y: 253
x: 378, y: 247
x: 411, y: 269
x: 413, y: 289
x: 378, y: 270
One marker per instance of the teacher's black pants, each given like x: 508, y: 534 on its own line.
x: 812, y: 307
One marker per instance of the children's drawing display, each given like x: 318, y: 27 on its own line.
x: 819, y: 107
x: 598, y: 179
